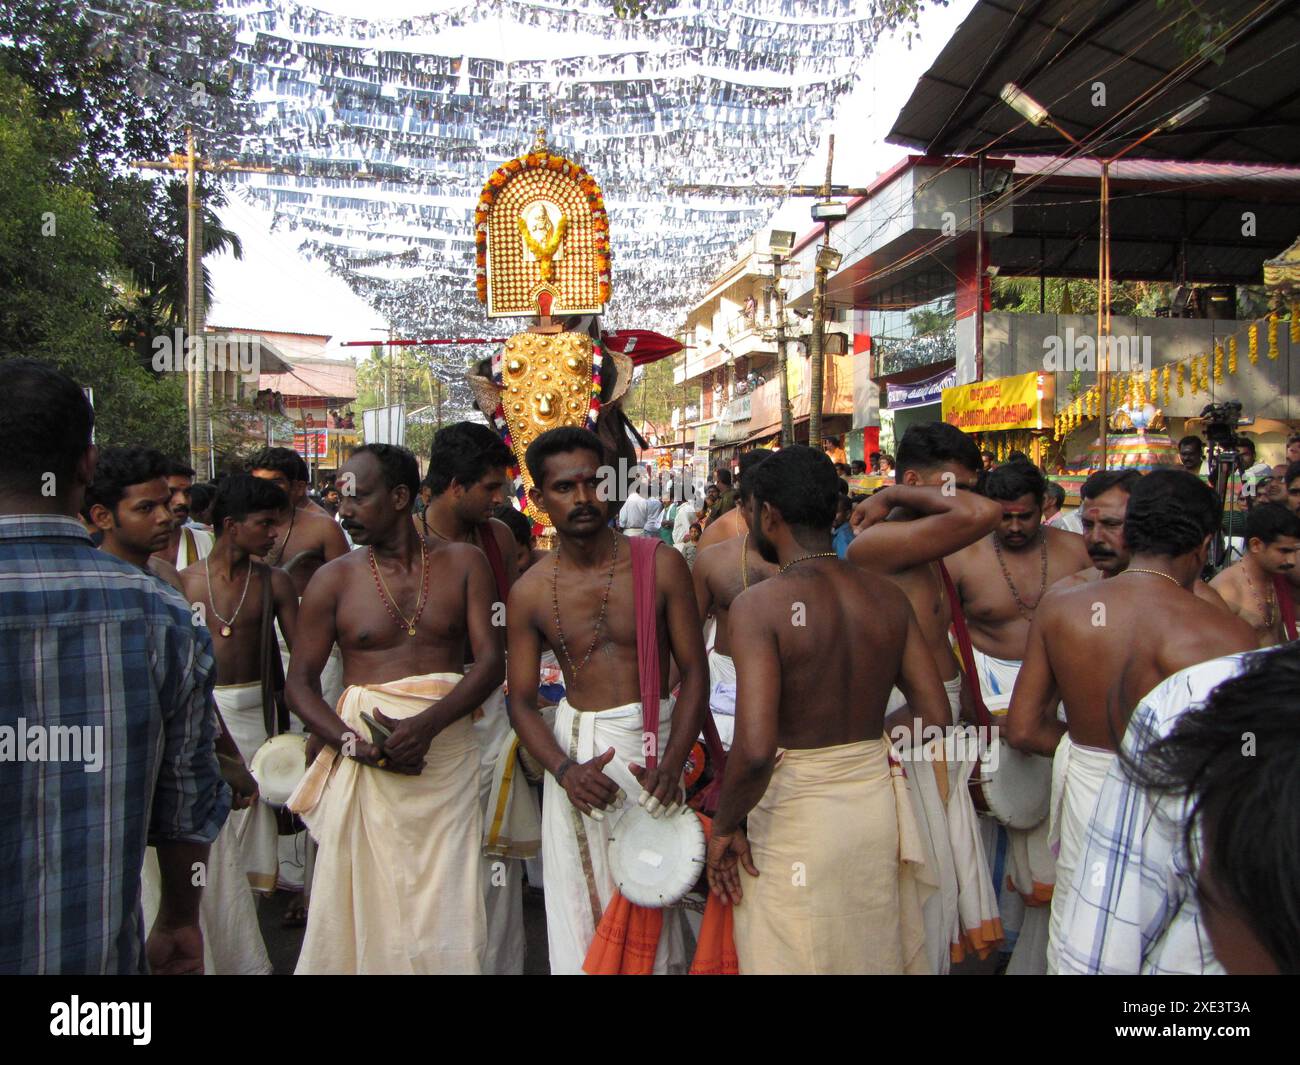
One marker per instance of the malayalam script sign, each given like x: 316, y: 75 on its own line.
x: 920, y: 392
x: 1021, y: 402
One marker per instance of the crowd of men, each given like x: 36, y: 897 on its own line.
x: 473, y: 711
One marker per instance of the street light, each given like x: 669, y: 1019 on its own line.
x: 1034, y: 113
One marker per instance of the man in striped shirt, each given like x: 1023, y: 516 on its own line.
x: 107, y: 722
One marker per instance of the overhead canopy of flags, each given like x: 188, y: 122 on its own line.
x: 376, y: 136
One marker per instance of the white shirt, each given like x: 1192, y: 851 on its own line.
x: 1134, y: 908
x: 686, y: 515
x: 634, y: 513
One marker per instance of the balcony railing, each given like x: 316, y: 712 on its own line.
x: 909, y: 353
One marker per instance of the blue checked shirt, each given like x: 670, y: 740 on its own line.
x: 1134, y: 908
x: 105, y: 664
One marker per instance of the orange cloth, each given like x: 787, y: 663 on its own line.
x: 715, y: 953
x: 626, y: 940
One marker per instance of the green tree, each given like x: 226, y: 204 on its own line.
x: 55, y: 260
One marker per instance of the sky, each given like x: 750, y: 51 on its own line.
x: 275, y: 288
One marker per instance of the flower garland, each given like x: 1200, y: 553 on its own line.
x: 1232, y: 355
x: 1218, y: 361
x: 1295, y: 323
x: 541, y: 160
x: 1165, y: 375
x: 1252, y: 343
x: 1179, y: 373
x: 1272, y: 336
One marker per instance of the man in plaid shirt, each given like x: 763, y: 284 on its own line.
x: 107, y: 722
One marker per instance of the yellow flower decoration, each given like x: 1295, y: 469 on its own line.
x: 1232, y: 355
x: 1179, y: 373
x: 1272, y: 336
x: 1218, y: 361
x: 1252, y: 343
x: 1295, y: 323
x: 1165, y: 375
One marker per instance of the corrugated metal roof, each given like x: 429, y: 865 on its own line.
x: 1059, y: 51
x: 315, y: 378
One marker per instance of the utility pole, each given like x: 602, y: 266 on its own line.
x: 198, y: 385
x: 787, y: 415
x: 816, y: 344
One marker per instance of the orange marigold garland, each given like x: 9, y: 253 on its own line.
x: 542, y: 161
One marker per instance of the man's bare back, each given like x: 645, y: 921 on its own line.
x: 803, y: 635
x: 730, y: 524
x: 1100, y: 643
x: 997, y: 626
x: 721, y: 573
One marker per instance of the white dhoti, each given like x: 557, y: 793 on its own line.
x: 1022, y: 867
x: 962, y: 915
x: 232, y: 938
x: 722, y: 696
x: 1078, y: 773
x: 256, y: 830
x: 398, y: 886
x: 841, y: 879
x: 507, y: 801
x: 297, y: 852
x: 575, y: 848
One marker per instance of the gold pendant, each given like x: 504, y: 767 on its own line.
x: 225, y: 630
x: 410, y: 631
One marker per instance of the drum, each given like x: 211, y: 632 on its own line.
x: 278, y: 765
x: 656, y: 861
x: 1012, y: 786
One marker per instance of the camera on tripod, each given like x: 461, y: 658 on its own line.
x: 1221, y: 421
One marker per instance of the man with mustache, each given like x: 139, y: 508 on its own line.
x: 1257, y: 587
x: 187, y: 543
x: 582, y: 602
x: 1104, y: 498
x: 829, y: 806
x: 394, y: 805
x: 1094, y: 649
x: 1000, y: 580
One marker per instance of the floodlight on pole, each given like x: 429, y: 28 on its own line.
x: 781, y: 241
x: 828, y: 259
x: 1023, y: 104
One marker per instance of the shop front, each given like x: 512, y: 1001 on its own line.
x: 1006, y: 414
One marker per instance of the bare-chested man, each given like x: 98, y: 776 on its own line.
x: 467, y: 480
x: 307, y: 537
x: 581, y: 601
x: 1101, y: 646
x: 1104, y: 501
x: 721, y: 573
x: 185, y: 543
x: 231, y: 590
x: 1000, y: 581
x: 905, y: 530
x: 394, y: 804
x: 1248, y: 586
x: 129, y: 503
x: 825, y: 890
